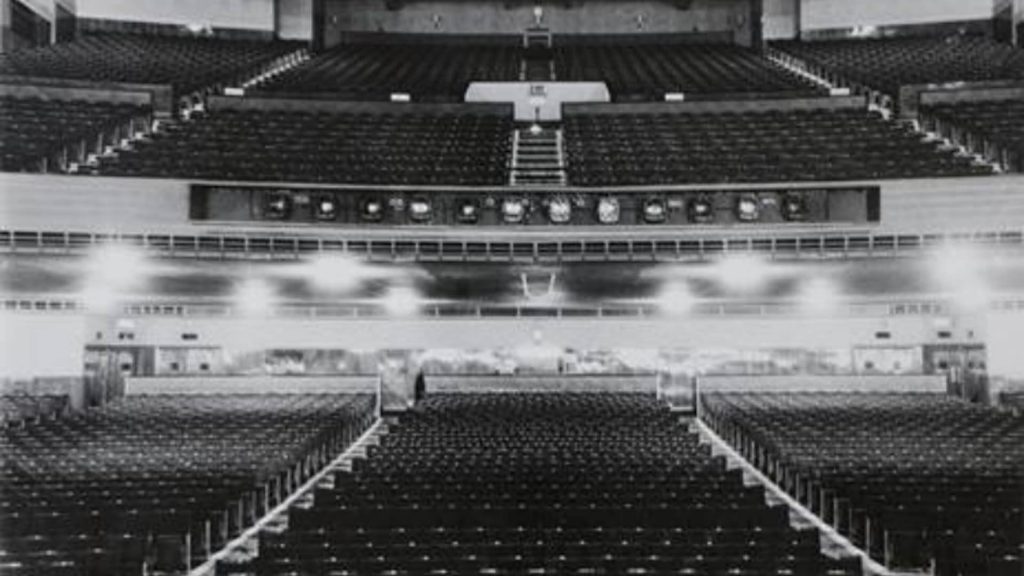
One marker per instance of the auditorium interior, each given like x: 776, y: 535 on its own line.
x: 512, y: 287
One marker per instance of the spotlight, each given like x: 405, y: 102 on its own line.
x: 794, y: 208
x: 467, y: 211
x: 960, y: 272
x: 325, y: 207
x: 608, y: 210
x: 402, y: 302
x: 254, y: 298
x: 335, y: 272
x: 420, y: 210
x: 748, y: 209
x: 371, y: 210
x: 742, y: 273
x: 559, y: 210
x: 818, y: 297
x: 117, y: 266
x: 513, y: 210
x: 676, y: 299
x: 655, y: 211
x: 277, y: 206
x: 700, y: 211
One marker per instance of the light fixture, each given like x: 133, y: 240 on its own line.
x: 254, y: 298
x: 676, y: 299
x: 111, y: 272
x: 402, y: 302
x: 748, y: 209
x: 335, y: 272
x: 818, y: 297
x: 794, y: 208
x: 742, y: 273
x: 513, y: 210
x: 277, y: 206
x: 960, y: 271
x: 559, y: 210
x: 467, y: 211
x: 608, y: 210
x: 325, y: 207
x: 420, y: 209
x: 371, y: 210
x: 700, y: 211
x: 655, y: 211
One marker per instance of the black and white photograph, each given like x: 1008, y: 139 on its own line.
x: 512, y: 287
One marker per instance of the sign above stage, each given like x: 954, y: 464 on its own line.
x: 538, y: 101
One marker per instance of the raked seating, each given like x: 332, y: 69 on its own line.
x: 649, y: 71
x: 775, y: 146
x: 917, y: 480
x: 886, y: 64
x: 33, y: 131
x: 21, y: 409
x: 428, y: 72
x: 187, y: 63
x: 993, y: 126
x: 159, y: 481
x: 551, y: 484
x: 370, y: 148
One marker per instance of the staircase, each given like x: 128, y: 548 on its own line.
x: 537, y: 157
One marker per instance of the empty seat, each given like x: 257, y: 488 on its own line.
x: 886, y: 64
x: 541, y: 484
x: 160, y: 481
x: 430, y: 72
x: 186, y: 63
x: 33, y: 130
x: 771, y: 146
x: 649, y: 71
x: 366, y: 148
x: 915, y: 479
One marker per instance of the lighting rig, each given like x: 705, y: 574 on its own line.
x: 570, y: 207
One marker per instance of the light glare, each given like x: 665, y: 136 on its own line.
x: 676, y: 299
x: 402, y: 302
x: 818, y: 297
x: 254, y: 298
x: 742, y: 273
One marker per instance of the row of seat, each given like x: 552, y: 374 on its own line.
x: 21, y: 409
x: 556, y: 483
x: 993, y: 126
x: 472, y: 149
x: 157, y: 483
x: 448, y: 148
x: 917, y: 480
x: 430, y: 72
x: 186, y: 63
x: 649, y: 71
x: 443, y: 72
x: 801, y: 145
x: 889, y: 63
x: 32, y: 130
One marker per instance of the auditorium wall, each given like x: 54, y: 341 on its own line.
x: 1005, y: 334
x: 239, y: 14
x: 41, y: 345
x: 239, y: 335
x: 295, y: 19
x: 781, y: 19
x: 597, y: 17
x: 133, y: 205
x: 830, y: 14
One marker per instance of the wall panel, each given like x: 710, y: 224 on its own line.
x: 243, y: 14
x: 826, y: 14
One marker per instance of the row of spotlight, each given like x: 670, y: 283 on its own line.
x: 557, y: 208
